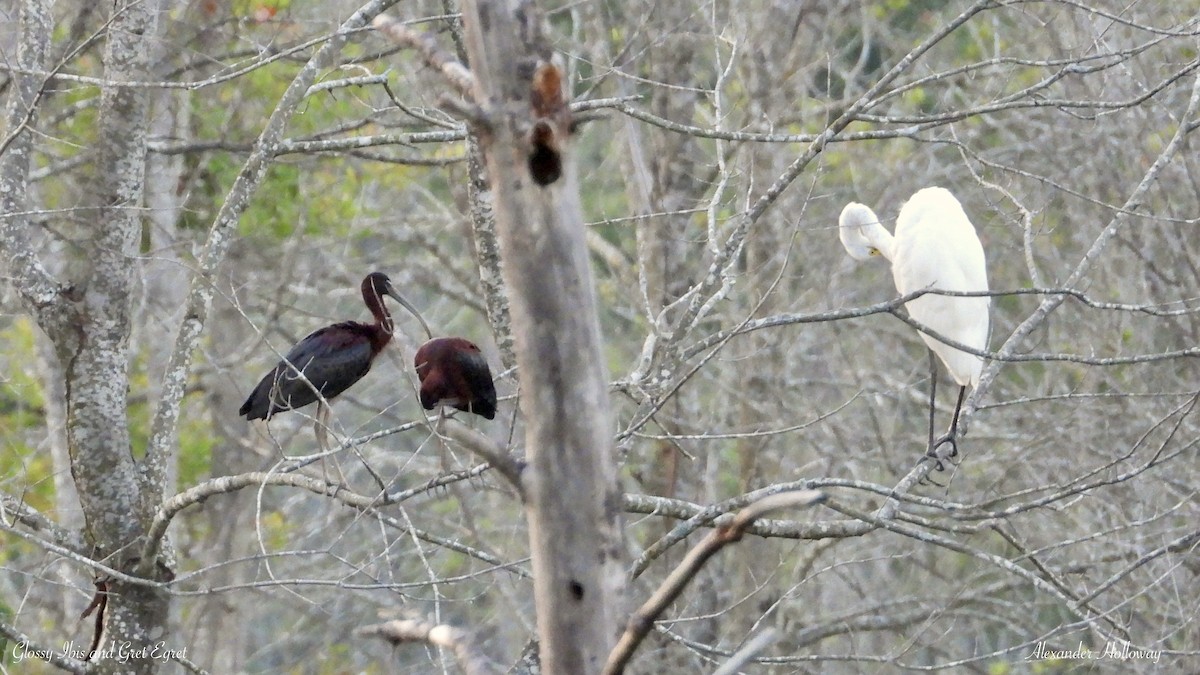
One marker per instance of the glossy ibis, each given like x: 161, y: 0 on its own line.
x: 935, y: 246
x: 331, y: 360
x: 454, y: 372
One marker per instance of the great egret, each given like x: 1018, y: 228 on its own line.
x: 935, y: 247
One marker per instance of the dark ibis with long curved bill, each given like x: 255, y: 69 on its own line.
x: 454, y: 372
x: 331, y: 360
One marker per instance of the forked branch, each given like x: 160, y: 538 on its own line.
x: 549, y: 122
x: 484, y: 448
x: 435, y: 57
x: 643, y: 619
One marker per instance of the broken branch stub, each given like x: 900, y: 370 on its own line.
x: 550, y: 121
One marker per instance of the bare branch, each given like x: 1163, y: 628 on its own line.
x: 1077, y: 607
x: 456, y: 74
x: 13, y: 511
x: 483, y: 220
x: 1017, y: 338
x: 198, y: 494
x: 486, y: 449
x: 359, y: 81
x: 643, y: 619
x: 747, y: 653
x: 22, y: 648
x: 41, y: 294
x: 487, y: 253
x: 716, y: 277
x: 164, y: 427
x: 461, y: 642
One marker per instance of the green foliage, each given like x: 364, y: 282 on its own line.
x: 195, y: 443
x: 910, y: 15
x: 317, y: 197
x: 275, y: 211
x: 6, y: 656
x: 918, y: 99
x: 277, y: 532
x: 22, y: 418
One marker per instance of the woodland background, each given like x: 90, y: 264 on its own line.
x: 747, y: 352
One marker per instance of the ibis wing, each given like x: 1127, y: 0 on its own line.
x: 332, y: 359
x: 478, y: 376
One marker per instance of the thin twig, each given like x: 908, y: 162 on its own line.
x: 744, y: 655
x: 485, y: 448
x: 435, y: 57
x: 23, y: 648
x: 643, y: 619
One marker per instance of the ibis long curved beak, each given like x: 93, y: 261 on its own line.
x: 391, y: 291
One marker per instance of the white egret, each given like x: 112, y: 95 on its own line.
x: 935, y: 247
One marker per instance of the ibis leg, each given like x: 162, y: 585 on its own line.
x: 321, y: 429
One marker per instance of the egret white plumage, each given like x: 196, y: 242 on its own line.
x: 935, y: 247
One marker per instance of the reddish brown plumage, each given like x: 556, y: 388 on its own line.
x: 454, y: 372
x: 332, y: 358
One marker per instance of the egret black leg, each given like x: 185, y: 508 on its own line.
x: 932, y: 395
x: 929, y: 450
x: 951, y: 436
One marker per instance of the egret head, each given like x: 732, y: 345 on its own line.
x: 862, y: 234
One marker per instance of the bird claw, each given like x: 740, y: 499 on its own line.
x: 938, y: 464
x: 932, y: 452
x: 926, y: 480
x: 948, y: 438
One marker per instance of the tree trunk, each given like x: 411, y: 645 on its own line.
x: 570, y: 483
x: 88, y: 321
x: 102, y: 462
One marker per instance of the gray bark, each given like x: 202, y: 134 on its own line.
x: 570, y: 484
x: 96, y: 367
x: 88, y: 321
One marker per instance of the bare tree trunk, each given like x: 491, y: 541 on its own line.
x: 89, y: 321
x: 570, y: 484
x: 97, y: 374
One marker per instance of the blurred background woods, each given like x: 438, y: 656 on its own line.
x: 726, y: 138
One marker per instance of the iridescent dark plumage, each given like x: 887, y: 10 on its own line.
x: 332, y: 358
x: 454, y: 372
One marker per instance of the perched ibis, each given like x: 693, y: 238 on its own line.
x: 454, y: 372
x: 935, y: 247
x: 331, y: 360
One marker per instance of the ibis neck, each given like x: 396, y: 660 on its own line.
x: 383, y: 318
